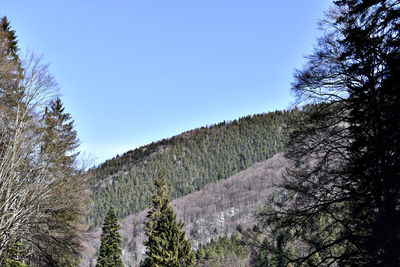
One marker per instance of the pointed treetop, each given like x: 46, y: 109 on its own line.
x: 166, y: 244
x: 8, y: 36
x: 110, y: 251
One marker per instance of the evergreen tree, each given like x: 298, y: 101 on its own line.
x: 10, y: 66
x: 60, y: 138
x: 346, y: 151
x: 110, y: 252
x: 219, y: 253
x: 9, y: 38
x: 166, y: 244
x: 59, y: 142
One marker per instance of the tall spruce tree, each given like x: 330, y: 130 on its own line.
x: 10, y: 66
x: 59, y: 144
x: 10, y: 39
x: 60, y: 137
x: 341, y: 200
x: 110, y: 252
x: 166, y: 243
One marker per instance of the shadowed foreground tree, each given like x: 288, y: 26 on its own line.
x: 166, y: 244
x: 340, y: 202
x: 110, y: 252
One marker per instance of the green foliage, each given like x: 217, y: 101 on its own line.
x: 10, y: 38
x: 280, y: 250
x: 110, y: 251
x: 189, y: 161
x: 166, y: 244
x: 10, y: 66
x: 15, y: 256
x: 60, y: 138
x: 14, y: 263
x: 216, y: 252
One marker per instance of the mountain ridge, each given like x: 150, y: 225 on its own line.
x: 212, y: 212
x: 189, y: 161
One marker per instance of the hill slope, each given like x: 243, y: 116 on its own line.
x: 189, y: 162
x: 213, y: 211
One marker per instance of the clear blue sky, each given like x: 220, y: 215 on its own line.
x: 133, y: 72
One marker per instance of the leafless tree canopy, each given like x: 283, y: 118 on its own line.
x: 339, y: 203
x: 39, y: 204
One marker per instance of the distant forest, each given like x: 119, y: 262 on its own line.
x: 189, y: 161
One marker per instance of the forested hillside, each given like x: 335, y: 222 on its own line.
x: 209, y: 214
x: 189, y: 161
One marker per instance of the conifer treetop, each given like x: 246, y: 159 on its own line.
x: 166, y: 244
x: 110, y: 251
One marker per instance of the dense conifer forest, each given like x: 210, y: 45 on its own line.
x: 225, y: 251
x: 189, y: 162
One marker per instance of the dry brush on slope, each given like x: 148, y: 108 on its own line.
x: 209, y: 213
x: 189, y: 162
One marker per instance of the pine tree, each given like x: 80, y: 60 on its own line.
x: 110, y: 252
x: 60, y: 138
x: 58, y: 149
x: 166, y: 244
x: 10, y: 66
x: 10, y: 38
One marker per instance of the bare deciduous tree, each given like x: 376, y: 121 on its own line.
x: 340, y: 202
x: 39, y: 204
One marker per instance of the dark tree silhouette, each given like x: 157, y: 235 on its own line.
x: 341, y: 200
